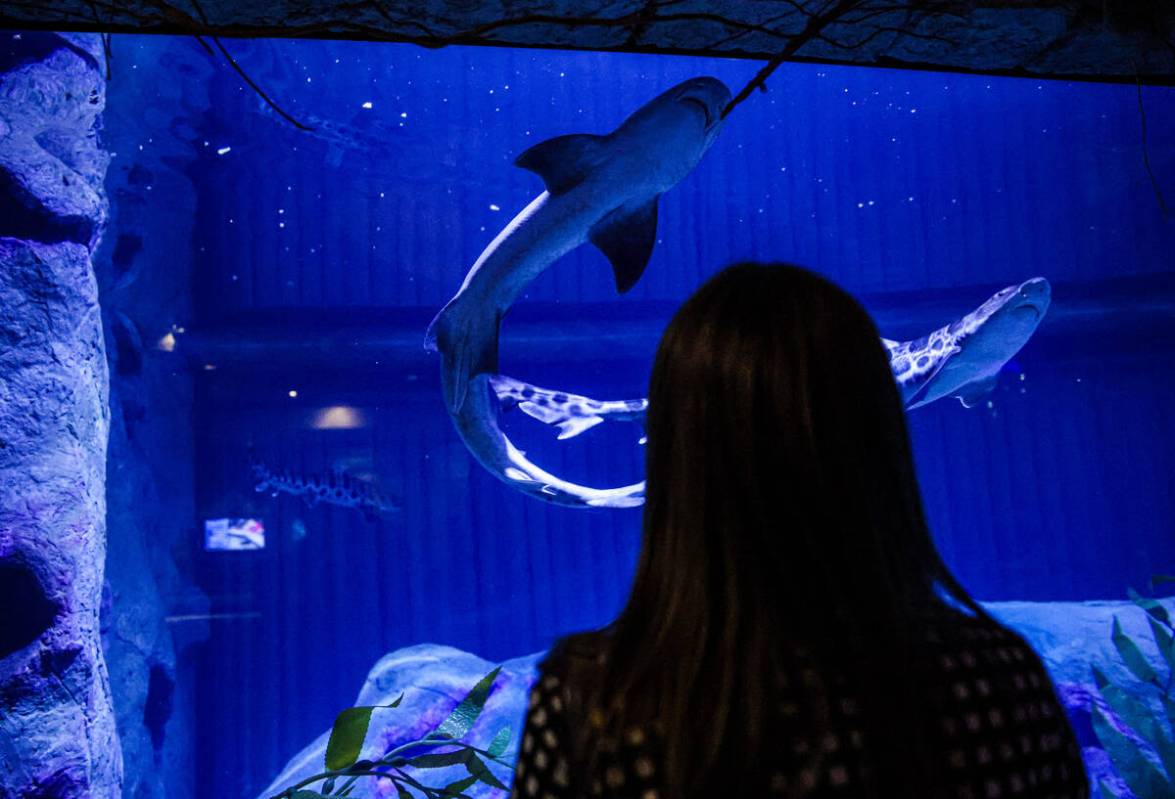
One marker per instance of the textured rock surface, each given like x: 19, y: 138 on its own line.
x: 57, y: 732
x: 1059, y: 37
x: 1070, y: 637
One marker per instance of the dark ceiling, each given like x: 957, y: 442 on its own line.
x: 1119, y: 40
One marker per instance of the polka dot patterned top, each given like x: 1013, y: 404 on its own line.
x: 1019, y: 745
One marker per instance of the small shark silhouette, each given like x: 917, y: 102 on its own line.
x: 602, y: 189
x: 336, y: 487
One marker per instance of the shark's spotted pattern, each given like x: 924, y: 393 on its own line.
x: 571, y: 413
x: 334, y: 488
x: 973, y: 352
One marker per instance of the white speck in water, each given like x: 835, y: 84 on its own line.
x: 870, y: 202
x: 281, y: 224
x: 990, y: 404
x: 381, y: 194
x: 281, y: 210
x: 494, y: 207
x: 913, y: 110
x: 909, y: 199
x: 221, y: 151
x: 235, y: 278
x: 860, y: 205
x: 367, y: 104
x: 1023, y: 377
x: 292, y: 393
x: 562, y: 74
x: 403, y: 115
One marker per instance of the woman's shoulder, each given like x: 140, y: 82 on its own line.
x: 576, y: 656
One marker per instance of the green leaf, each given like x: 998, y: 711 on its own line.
x: 402, y: 792
x: 348, y: 734
x: 479, y: 769
x: 458, y: 788
x: 1165, y: 641
x: 1105, y: 790
x: 1152, y: 606
x: 441, y: 760
x: 346, y: 737
x: 500, y: 743
x: 1132, y: 655
x: 1138, y: 716
x: 467, y: 711
x: 1138, y: 772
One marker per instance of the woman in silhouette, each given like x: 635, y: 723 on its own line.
x: 792, y: 630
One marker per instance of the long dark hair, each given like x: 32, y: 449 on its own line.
x: 783, y: 531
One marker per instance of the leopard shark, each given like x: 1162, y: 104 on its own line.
x: 602, y: 189
x: 962, y: 359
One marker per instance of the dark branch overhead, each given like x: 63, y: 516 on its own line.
x: 1121, y: 40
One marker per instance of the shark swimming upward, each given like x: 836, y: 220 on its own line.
x: 962, y: 360
x: 601, y: 189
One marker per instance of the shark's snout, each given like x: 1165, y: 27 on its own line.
x: 708, y: 94
x: 1034, y: 296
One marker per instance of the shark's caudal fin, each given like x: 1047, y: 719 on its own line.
x: 468, y: 344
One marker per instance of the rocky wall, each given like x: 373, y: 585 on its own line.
x: 57, y: 730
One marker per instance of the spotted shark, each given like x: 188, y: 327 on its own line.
x: 336, y: 487
x: 602, y: 189
x: 962, y: 360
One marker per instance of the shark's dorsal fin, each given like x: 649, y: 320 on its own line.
x: 564, y: 161
x: 627, y: 236
x: 974, y: 393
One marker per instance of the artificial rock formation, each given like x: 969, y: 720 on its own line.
x: 57, y: 731
x: 1070, y: 637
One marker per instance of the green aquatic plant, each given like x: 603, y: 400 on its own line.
x: 442, y: 748
x: 1139, y: 738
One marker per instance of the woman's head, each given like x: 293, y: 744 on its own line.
x: 778, y: 460
x: 782, y: 523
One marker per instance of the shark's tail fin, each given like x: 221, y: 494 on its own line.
x: 468, y: 344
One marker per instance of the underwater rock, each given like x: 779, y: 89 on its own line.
x: 57, y: 729
x: 1069, y: 636
x: 51, y: 166
x: 433, y: 679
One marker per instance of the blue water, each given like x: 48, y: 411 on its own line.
x: 921, y: 192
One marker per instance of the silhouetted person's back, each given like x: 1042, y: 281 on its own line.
x: 791, y: 630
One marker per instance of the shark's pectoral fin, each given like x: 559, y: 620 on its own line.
x: 562, y: 162
x: 973, y: 394
x: 570, y: 425
x: 627, y: 236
